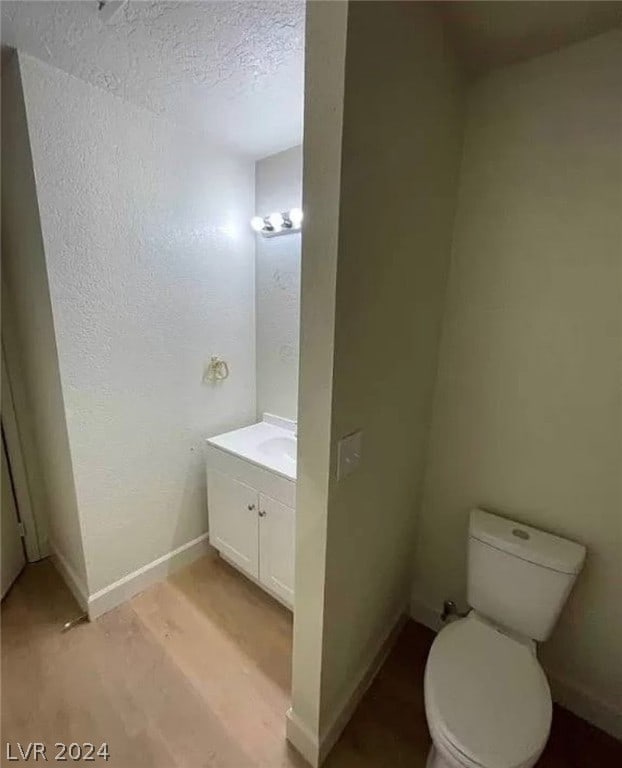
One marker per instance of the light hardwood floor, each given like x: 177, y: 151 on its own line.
x: 195, y: 672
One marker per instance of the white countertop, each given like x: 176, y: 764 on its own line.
x: 270, y: 444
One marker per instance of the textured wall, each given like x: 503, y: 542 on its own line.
x: 29, y: 341
x: 528, y: 402
x: 399, y: 171
x: 278, y: 187
x: 151, y: 270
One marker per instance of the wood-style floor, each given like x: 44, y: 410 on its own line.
x: 195, y: 672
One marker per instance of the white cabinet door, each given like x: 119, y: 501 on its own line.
x: 234, y: 521
x: 277, y: 544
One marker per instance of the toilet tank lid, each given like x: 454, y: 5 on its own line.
x: 527, y: 543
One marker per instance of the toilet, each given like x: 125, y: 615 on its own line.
x: 487, y: 699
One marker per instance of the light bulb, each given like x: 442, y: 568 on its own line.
x: 276, y: 220
x: 295, y: 216
x: 257, y: 223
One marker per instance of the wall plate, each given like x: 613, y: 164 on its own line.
x: 349, y: 451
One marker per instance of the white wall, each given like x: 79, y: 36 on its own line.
x: 528, y: 405
x: 278, y: 187
x: 151, y: 270
x: 29, y: 341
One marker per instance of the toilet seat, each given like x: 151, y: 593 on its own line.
x: 459, y: 759
x: 487, y: 699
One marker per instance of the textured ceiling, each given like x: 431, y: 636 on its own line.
x: 232, y: 69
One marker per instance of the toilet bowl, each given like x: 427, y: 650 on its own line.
x: 487, y: 699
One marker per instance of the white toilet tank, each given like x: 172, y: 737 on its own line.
x: 519, y: 577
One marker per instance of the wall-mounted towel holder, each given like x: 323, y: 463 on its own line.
x: 216, y: 370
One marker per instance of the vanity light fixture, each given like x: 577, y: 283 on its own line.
x: 278, y: 223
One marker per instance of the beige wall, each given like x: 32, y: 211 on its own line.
x: 29, y: 340
x: 402, y: 133
x: 392, y: 209
x: 324, y: 77
x: 527, y: 411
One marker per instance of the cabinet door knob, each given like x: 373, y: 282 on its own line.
x: 262, y: 513
x: 251, y: 507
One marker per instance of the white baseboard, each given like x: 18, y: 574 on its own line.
x: 314, y: 749
x: 108, y: 598
x: 577, y: 700
x: 341, y: 714
x: 564, y: 692
x: 424, y: 614
x: 300, y: 737
x: 76, y: 586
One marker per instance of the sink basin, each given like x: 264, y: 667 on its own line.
x: 280, y: 448
x: 266, y: 444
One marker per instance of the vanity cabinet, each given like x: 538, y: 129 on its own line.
x: 234, y: 521
x: 254, y: 532
x: 277, y: 543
